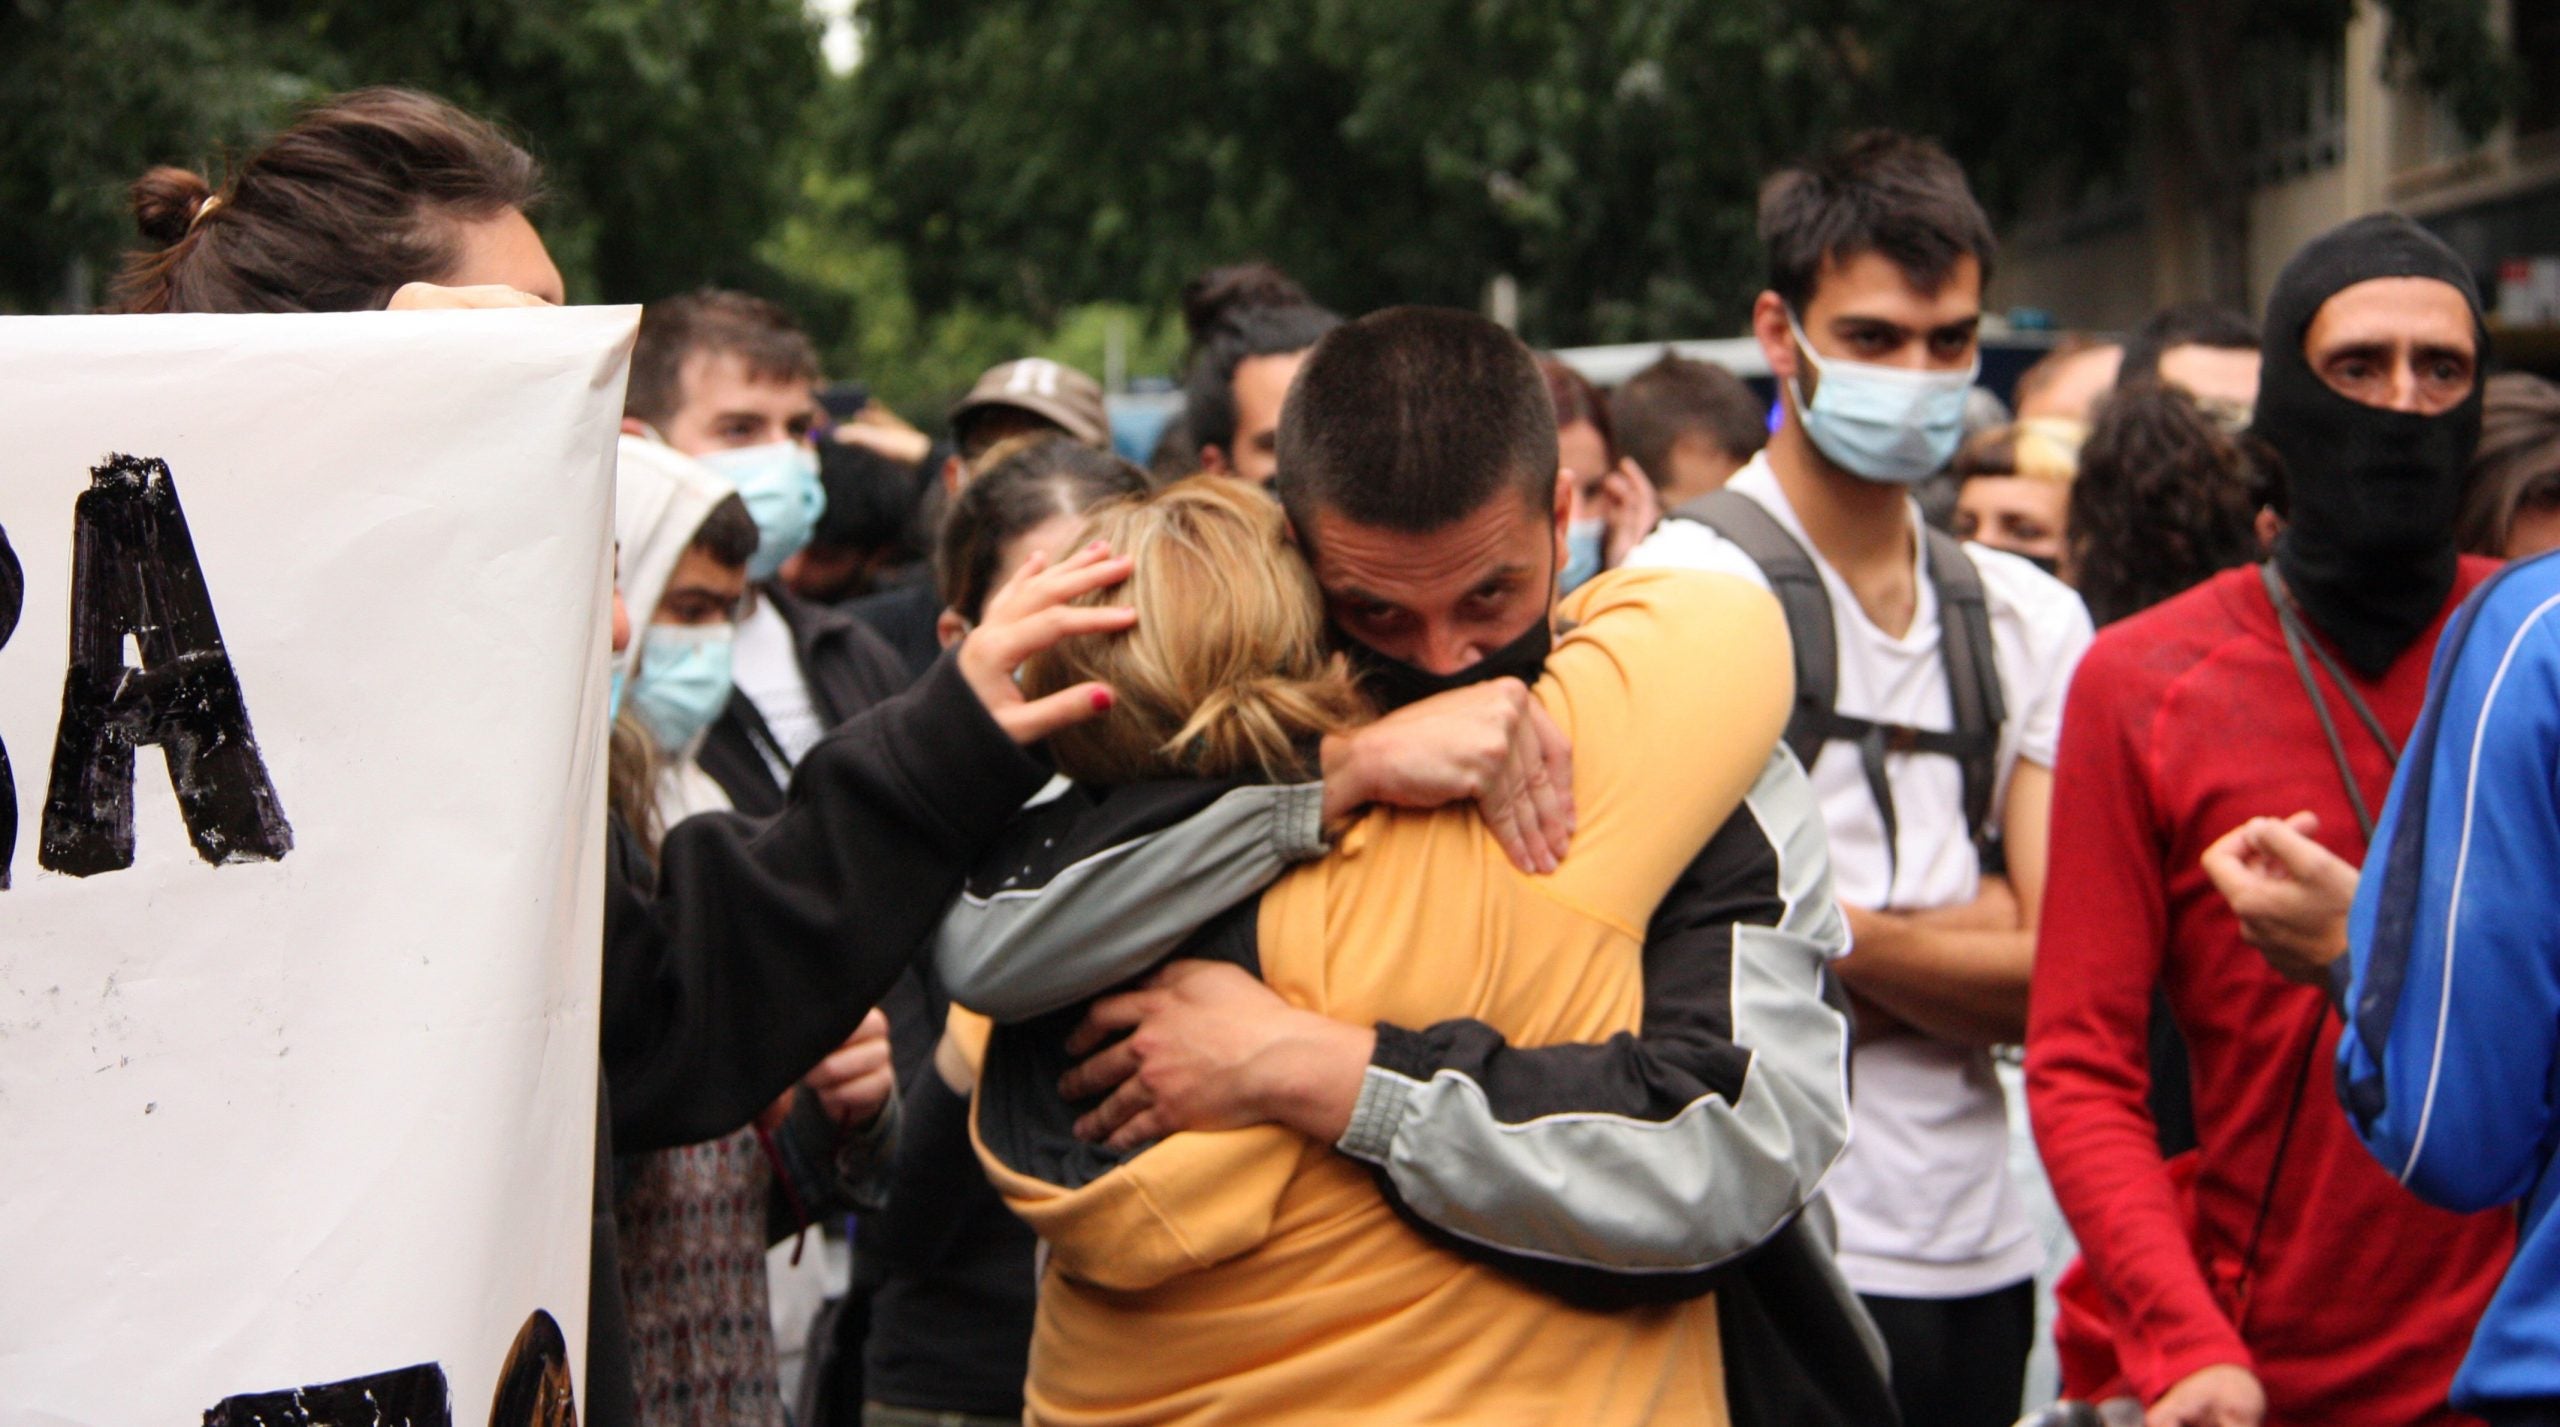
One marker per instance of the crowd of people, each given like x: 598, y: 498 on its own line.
x: 1451, y: 894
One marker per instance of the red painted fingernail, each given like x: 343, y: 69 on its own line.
x: 1102, y: 701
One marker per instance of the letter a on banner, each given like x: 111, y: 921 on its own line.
x: 134, y: 574
x: 330, y: 1089
x: 13, y: 598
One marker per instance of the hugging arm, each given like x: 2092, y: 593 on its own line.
x: 1635, y: 1167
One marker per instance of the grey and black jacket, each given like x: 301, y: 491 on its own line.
x: 1683, y: 1159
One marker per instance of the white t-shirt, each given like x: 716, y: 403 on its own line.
x: 1924, y: 1198
x: 766, y: 666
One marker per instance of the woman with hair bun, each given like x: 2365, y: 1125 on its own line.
x: 377, y: 198
x: 1232, y: 678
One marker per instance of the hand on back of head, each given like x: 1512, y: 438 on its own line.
x: 1031, y: 613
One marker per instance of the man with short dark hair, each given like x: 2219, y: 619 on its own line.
x: 729, y: 379
x: 1420, y: 468
x: 2204, y: 349
x: 1421, y: 463
x: 1930, y: 680
x: 1688, y: 425
x: 720, y: 370
x: 866, y: 538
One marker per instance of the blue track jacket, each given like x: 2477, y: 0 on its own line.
x: 2450, y: 1063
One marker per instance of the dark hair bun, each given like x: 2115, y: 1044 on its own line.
x: 166, y: 201
x: 1212, y: 299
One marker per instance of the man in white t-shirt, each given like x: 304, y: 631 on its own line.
x: 1878, y: 255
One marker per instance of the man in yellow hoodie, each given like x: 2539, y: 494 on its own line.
x: 1422, y: 480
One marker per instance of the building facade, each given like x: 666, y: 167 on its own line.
x: 2334, y: 137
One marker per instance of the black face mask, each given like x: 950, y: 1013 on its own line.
x: 1393, y: 683
x: 2368, y: 549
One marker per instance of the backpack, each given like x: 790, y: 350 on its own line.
x: 1964, y: 643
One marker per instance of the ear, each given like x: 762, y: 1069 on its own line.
x: 1563, y: 515
x: 955, y: 474
x: 2269, y: 526
x: 948, y: 627
x: 1777, y: 342
x: 1213, y: 461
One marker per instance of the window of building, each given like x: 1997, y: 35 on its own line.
x: 2297, y: 117
x: 2534, y: 28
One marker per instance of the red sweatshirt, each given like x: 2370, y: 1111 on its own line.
x: 2183, y: 722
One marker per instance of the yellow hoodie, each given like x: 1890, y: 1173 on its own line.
x: 1254, y: 1276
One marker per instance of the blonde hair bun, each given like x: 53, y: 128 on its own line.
x: 1226, y: 673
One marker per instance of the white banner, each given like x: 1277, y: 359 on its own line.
x: 304, y: 709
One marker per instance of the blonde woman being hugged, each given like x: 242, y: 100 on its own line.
x: 1254, y: 1274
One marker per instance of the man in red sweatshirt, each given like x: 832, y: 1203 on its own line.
x: 2277, y: 1275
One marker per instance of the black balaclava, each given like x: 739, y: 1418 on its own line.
x: 2369, y: 548
x: 1393, y: 683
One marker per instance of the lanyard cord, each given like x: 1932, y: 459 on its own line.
x: 2295, y: 641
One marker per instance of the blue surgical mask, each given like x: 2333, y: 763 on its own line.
x: 1888, y: 424
x: 683, y: 681
x: 1585, y: 546
x: 779, y: 482
x: 613, y: 698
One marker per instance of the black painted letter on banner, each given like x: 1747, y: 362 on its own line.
x: 404, y: 1397
x: 134, y: 573
x: 13, y: 595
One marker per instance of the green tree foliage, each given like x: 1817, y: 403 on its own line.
x: 851, y: 286
x: 91, y: 91
x: 1029, y: 154
x: 1002, y: 177
x: 660, y: 124
x: 665, y: 128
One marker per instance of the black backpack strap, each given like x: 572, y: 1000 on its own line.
x: 1792, y: 577
x: 1973, y: 674
x: 1965, y: 647
x: 1796, y: 581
